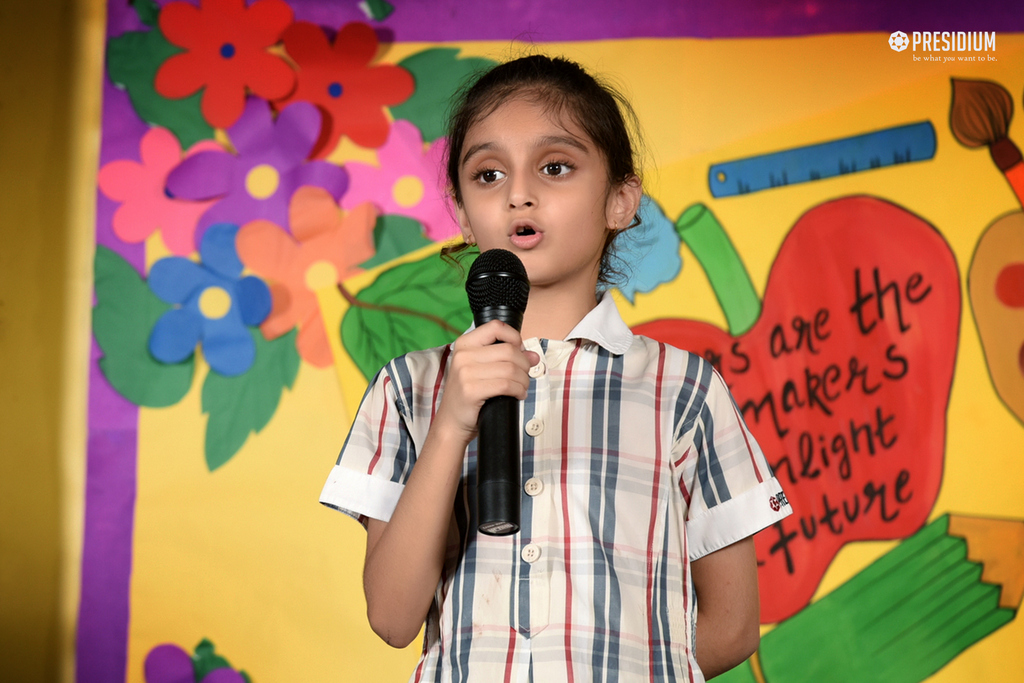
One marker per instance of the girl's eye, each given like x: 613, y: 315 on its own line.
x: 556, y: 168
x: 488, y: 176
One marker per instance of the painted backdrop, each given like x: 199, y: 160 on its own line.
x: 833, y: 216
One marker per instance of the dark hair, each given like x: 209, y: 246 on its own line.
x: 565, y: 89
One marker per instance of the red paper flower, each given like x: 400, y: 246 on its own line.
x: 225, y: 52
x: 338, y: 78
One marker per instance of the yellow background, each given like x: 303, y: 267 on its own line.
x: 275, y: 580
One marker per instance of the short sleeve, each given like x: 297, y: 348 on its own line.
x: 377, y: 456
x: 724, y: 476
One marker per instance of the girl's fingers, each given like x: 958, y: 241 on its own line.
x: 494, y: 331
x: 479, y: 378
x: 498, y: 353
x: 501, y: 386
x: 482, y: 368
x: 482, y: 345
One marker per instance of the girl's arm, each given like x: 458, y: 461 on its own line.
x: 404, y: 556
x: 728, y: 609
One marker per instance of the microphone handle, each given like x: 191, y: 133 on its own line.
x: 498, y: 466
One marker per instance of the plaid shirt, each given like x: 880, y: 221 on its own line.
x: 635, y: 463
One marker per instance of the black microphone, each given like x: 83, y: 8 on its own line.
x: 498, y: 289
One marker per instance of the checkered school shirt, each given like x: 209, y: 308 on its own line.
x: 635, y: 463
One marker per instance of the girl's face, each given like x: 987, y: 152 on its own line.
x: 536, y: 185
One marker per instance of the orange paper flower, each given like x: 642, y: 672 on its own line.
x: 323, y: 249
x: 225, y: 52
x: 338, y: 78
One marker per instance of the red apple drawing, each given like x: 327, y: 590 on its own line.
x: 843, y: 374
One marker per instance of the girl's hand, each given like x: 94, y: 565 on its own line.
x: 480, y: 369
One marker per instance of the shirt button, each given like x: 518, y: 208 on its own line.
x: 534, y: 486
x: 537, y: 370
x: 531, y: 553
x: 534, y: 427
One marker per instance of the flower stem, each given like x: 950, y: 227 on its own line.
x: 706, y: 238
x: 440, y: 322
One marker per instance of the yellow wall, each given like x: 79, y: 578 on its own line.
x: 49, y: 112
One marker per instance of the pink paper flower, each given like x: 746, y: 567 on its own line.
x: 323, y: 249
x: 139, y: 186
x: 408, y: 181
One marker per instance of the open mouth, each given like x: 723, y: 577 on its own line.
x: 524, y: 230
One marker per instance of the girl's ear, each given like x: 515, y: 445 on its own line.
x: 624, y: 203
x: 464, y: 226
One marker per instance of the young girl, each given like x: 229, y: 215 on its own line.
x: 641, y: 484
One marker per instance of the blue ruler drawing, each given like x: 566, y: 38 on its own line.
x: 880, y: 148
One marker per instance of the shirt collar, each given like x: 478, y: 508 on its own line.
x: 604, y: 326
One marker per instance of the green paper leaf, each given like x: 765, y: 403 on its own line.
x: 438, y: 73
x: 378, y: 10
x: 206, y: 660
x: 122, y: 319
x: 244, y: 404
x: 133, y: 58
x: 147, y: 10
x: 413, y: 306
x: 395, y: 236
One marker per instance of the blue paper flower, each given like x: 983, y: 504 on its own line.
x: 650, y: 250
x: 215, y: 304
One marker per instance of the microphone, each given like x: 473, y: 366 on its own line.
x: 498, y: 289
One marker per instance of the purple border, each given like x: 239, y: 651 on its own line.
x: 102, y: 634
x: 104, y: 611
x: 572, y: 20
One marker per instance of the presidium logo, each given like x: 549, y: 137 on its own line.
x: 946, y: 41
x: 898, y: 41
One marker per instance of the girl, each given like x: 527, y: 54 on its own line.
x: 641, y: 484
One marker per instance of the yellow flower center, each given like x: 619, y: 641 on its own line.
x: 407, y: 191
x: 321, y: 275
x: 262, y: 181
x: 214, y: 303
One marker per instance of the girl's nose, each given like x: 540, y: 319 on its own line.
x: 520, y: 192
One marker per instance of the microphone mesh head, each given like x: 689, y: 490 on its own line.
x: 497, y: 278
